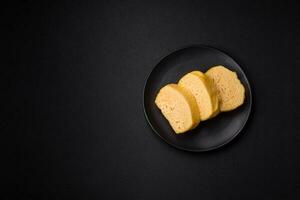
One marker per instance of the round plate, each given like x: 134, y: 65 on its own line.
x: 210, y: 134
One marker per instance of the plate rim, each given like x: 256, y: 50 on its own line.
x: 211, y: 48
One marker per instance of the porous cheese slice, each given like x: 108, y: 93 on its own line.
x: 203, y: 90
x: 230, y: 90
x: 179, y: 107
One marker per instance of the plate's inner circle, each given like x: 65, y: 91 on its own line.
x: 209, y: 134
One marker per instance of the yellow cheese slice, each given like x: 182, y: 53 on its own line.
x: 230, y: 90
x: 203, y: 90
x: 179, y: 107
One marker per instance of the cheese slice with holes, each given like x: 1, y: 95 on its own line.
x: 179, y: 107
x: 230, y: 90
x: 204, y: 92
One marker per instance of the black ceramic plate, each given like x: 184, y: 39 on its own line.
x: 210, y: 134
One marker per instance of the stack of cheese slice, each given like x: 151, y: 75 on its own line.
x: 198, y: 97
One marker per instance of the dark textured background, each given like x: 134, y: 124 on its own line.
x: 72, y: 123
